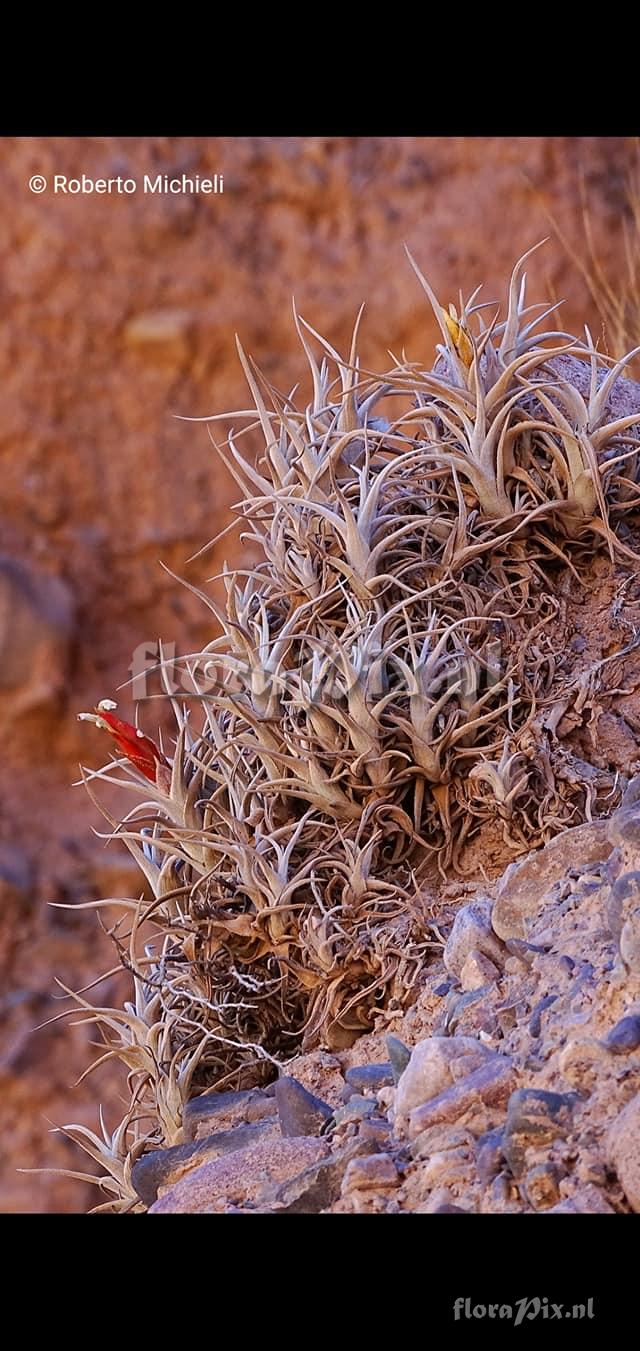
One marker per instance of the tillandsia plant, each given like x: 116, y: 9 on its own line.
x: 375, y: 695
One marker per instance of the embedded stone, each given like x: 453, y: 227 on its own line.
x: 161, y: 1168
x: 623, y: 899
x: 436, y: 1063
x: 399, y: 1057
x: 489, y: 1086
x: 241, y: 1178
x: 586, y: 1201
x: 370, y: 1172
x: 369, y: 1078
x: 630, y: 941
x: 541, y: 1186
x: 472, y: 932
x: 318, y: 1186
x: 449, y: 1209
x: 300, y: 1112
x: 356, y: 1109
x: 625, y: 1036
x: 525, y: 885
x: 534, y: 1118
x: 579, y: 1059
x: 623, y: 1150
x: 222, y: 1111
x: 478, y: 971
x: 490, y: 1155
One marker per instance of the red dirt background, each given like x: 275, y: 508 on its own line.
x: 120, y: 313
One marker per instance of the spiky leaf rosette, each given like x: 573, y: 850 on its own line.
x: 378, y: 690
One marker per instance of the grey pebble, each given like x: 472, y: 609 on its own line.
x: 472, y: 930
x: 451, y: 1210
x: 630, y: 941
x: 356, y: 1109
x: 625, y: 1036
x: 299, y: 1112
x: 490, y: 1155
x: 369, y: 1078
x: 535, y: 1021
x: 541, y: 1186
x: 159, y: 1167
x: 457, y: 1004
x: 399, y: 1056
x: 534, y: 1117
x: 318, y: 1186
x: 249, y: 1105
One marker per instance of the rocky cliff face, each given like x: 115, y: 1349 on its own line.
x: 120, y: 315
x: 512, y: 1085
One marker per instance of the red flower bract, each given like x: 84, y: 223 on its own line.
x: 139, y: 750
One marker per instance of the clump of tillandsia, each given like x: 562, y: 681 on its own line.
x: 374, y: 696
